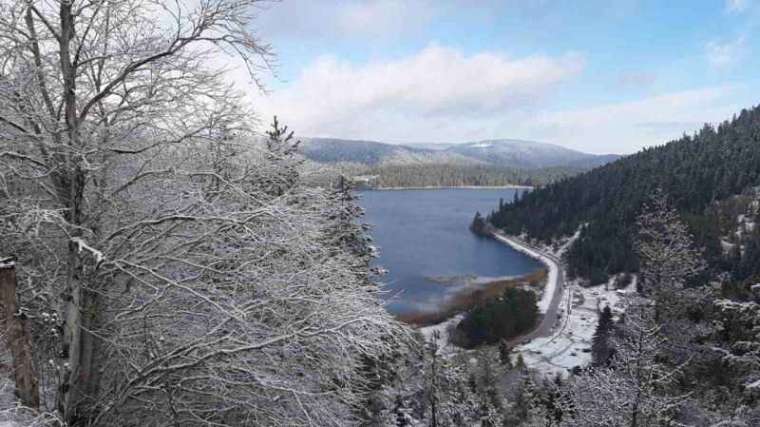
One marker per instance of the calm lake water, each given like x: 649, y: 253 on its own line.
x: 426, y: 245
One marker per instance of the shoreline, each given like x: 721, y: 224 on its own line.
x: 548, y: 306
x: 452, y: 187
x: 551, y: 273
x: 469, y: 296
x: 553, y: 294
x: 552, y: 267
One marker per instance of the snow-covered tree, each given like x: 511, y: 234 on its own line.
x: 177, y: 272
x: 738, y: 343
x: 601, y: 347
x: 545, y: 407
x: 447, y: 390
x: 666, y: 253
x: 484, y: 381
x: 635, y: 390
x: 669, y: 262
x: 638, y: 386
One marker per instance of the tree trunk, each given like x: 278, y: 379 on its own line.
x: 434, y: 391
x: 75, y: 347
x: 18, y: 338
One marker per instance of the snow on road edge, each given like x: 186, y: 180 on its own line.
x: 552, y: 277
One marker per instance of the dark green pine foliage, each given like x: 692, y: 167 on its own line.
x: 505, y: 354
x: 281, y: 151
x: 695, y: 172
x: 547, y: 396
x: 747, y: 264
x: 478, y: 225
x: 601, y: 348
x: 452, y: 174
x: 511, y: 315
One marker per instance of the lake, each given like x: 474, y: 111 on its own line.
x: 427, y: 247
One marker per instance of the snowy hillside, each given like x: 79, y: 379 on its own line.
x: 527, y: 154
x: 503, y: 152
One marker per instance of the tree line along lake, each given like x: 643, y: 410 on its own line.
x: 427, y: 248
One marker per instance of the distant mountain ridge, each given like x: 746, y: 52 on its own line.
x: 509, y: 153
x: 526, y: 154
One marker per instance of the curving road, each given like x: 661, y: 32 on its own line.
x: 549, y: 319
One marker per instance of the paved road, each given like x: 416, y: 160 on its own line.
x: 544, y: 327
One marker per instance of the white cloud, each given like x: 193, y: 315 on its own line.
x: 443, y: 95
x: 737, y: 6
x: 383, y: 17
x: 334, y: 97
x: 630, y: 126
x: 345, y: 19
x: 722, y: 55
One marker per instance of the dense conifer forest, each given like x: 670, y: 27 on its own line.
x: 704, y: 175
x: 438, y: 175
x: 454, y: 175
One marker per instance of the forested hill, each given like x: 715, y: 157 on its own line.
x: 480, y: 163
x: 695, y: 171
x: 504, y: 153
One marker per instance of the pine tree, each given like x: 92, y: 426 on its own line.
x: 600, y: 347
x: 433, y: 379
x: 666, y: 252
x: 636, y: 388
x: 281, y: 150
x: 490, y: 408
x: 545, y: 406
x: 505, y: 352
x: 669, y: 262
x: 520, y: 363
x: 478, y: 225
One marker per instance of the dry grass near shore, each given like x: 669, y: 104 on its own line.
x: 471, y: 297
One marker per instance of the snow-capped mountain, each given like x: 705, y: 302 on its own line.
x: 501, y: 152
x: 373, y: 153
x: 527, y: 154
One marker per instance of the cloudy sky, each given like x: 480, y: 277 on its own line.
x: 602, y: 76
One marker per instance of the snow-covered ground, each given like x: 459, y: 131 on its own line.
x: 549, y: 256
x: 570, y: 344
x: 561, y: 246
x: 443, y: 329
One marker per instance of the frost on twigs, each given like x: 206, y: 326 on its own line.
x: 226, y: 292
x: 665, y: 247
x: 82, y: 246
x: 650, y: 346
x: 635, y: 389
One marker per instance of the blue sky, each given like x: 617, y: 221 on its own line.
x: 598, y: 76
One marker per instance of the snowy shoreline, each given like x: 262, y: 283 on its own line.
x: 551, y: 279
x: 452, y: 187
